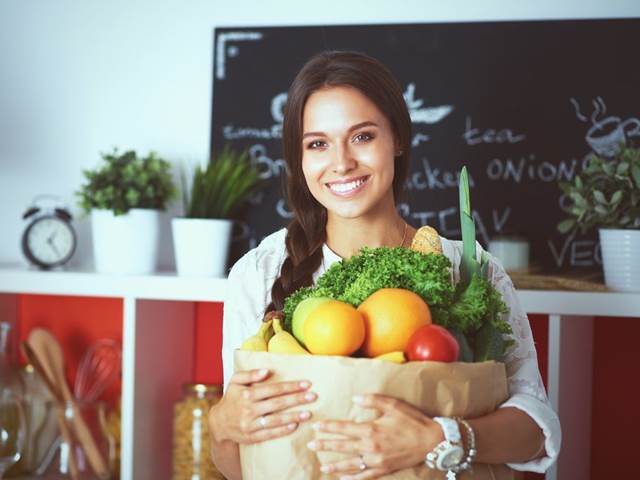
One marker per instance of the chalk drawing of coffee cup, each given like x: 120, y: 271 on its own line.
x: 606, y: 136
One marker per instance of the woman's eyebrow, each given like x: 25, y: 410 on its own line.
x: 367, y: 123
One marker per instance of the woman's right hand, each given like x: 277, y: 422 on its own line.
x: 251, y: 411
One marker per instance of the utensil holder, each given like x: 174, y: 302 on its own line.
x: 72, y: 449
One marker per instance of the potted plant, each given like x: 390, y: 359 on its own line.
x: 201, y: 238
x: 125, y: 196
x: 606, y: 195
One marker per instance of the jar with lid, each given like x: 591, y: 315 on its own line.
x: 191, y: 450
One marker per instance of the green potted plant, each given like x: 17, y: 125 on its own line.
x: 201, y: 238
x: 606, y: 196
x: 125, y: 196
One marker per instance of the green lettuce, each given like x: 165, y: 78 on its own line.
x: 473, y: 309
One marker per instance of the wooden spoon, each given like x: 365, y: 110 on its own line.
x: 49, y: 352
x: 62, y: 424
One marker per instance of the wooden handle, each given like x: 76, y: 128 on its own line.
x: 66, y: 435
x: 84, y: 436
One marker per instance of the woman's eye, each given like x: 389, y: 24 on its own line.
x: 316, y: 144
x: 362, y: 137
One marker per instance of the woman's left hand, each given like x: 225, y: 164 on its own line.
x: 398, y: 438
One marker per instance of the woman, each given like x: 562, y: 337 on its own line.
x: 347, y: 135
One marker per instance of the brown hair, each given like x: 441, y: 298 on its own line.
x: 307, y: 231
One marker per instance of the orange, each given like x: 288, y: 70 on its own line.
x: 333, y: 328
x: 391, y: 315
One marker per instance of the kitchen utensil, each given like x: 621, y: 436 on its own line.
x: 48, y: 351
x: 34, y: 360
x: 99, y: 367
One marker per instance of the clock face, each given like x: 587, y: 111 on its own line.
x: 49, y: 241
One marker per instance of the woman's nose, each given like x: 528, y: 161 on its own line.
x: 343, y: 160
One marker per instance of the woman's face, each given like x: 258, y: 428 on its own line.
x: 348, y: 151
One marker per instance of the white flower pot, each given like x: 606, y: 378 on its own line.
x: 621, y: 259
x: 201, y: 246
x: 126, y: 244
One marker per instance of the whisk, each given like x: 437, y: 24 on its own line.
x: 99, y: 367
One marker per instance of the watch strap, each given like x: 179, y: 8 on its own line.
x: 450, y: 428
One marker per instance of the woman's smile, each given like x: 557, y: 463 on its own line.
x: 350, y: 187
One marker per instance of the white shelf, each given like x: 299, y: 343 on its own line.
x: 591, y: 304
x: 16, y: 278
x: 168, y: 286
x: 158, y: 314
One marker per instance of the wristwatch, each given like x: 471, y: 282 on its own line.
x: 449, y: 453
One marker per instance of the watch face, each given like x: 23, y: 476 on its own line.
x: 452, y: 457
x: 49, y: 241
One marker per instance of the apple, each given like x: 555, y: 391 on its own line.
x: 300, y: 314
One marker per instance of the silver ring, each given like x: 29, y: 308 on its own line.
x: 363, y: 466
x: 262, y: 421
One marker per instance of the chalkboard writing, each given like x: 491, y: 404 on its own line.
x: 522, y: 104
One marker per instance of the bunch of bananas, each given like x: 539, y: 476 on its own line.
x: 271, y: 337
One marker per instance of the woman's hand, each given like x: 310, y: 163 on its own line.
x: 400, y: 437
x: 251, y: 411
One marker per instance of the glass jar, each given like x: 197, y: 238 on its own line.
x: 191, y: 450
x: 12, y: 419
x: 41, y: 424
x: 84, y: 453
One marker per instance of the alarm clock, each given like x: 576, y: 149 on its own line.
x: 49, y: 240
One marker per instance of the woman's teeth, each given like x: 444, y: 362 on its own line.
x: 346, y: 187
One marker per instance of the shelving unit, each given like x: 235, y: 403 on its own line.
x: 157, y: 318
x: 156, y: 307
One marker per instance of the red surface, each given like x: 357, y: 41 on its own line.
x: 540, y: 330
x: 208, y: 348
x: 77, y: 321
x: 615, y: 417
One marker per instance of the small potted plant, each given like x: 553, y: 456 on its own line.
x: 606, y: 196
x: 125, y: 196
x: 201, y: 238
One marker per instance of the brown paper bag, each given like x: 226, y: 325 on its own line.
x: 439, y: 389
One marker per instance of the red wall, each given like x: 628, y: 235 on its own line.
x: 77, y: 321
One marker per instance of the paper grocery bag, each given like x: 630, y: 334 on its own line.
x: 467, y: 390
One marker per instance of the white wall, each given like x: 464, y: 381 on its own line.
x: 78, y: 77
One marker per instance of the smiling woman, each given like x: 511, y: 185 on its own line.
x: 346, y: 138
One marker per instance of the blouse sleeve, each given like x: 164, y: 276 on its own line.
x: 243, y: 308
x: 526, y: 389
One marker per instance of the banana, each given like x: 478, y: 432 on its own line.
x: 394, y: 357
x: 258, y: 342
x: 427, y: 240
x: 284, y: 342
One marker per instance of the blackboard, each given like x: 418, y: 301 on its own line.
x: 522, y: 104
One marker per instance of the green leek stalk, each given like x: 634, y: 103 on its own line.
x: 469, y: 265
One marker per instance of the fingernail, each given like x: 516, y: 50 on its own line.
x: 326, y: 468
x: 305, y: 384
x: 305, y: 415
x: 316, y: 426
x: 357, y: 399
x: 310, y: 396
x: 263, y: 372
x: 312, y: 445
x: 292, y: 426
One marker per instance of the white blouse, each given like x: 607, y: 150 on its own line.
x: 251, y: 279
